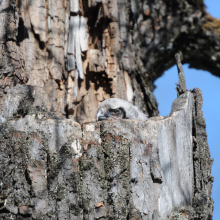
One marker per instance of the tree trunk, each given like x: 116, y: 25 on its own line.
x: 76, y: 54
x: 53, y: 168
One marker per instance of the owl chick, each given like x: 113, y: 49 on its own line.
x: 115, y: 108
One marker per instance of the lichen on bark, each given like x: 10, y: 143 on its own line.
x: 52, y: 167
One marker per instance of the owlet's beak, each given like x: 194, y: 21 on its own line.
x: 100, y: 115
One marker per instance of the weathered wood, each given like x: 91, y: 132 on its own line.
x: 202, y: 201
x: 96, y: 63
x: 92, y: 3
x: 37, y: 13
x: 114, y: 37
x: 71, y: 62
x: 52, y: 167
x: 46, y: 45
x: 42, y: 42
x: 181, y: 88
x: 18, y: 101
x: 83, y: 35
x: 76, y: 21
x: 71, y: 38
x: 74, y: 6
x: 112, y: 10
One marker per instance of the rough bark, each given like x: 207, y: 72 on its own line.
x: 54, y: 168
x: 79, y: 52
x: 202, y: 201
x: 74, y: 54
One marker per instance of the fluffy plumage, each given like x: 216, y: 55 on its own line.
x: 115, y: 108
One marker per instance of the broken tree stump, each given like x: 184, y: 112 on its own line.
x: 54, y: 168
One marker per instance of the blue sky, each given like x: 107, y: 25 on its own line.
x: 210, y: 86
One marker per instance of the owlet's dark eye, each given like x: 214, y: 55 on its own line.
x: 114, y: 111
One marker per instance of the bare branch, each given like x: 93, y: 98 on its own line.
x: 181, y: 87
